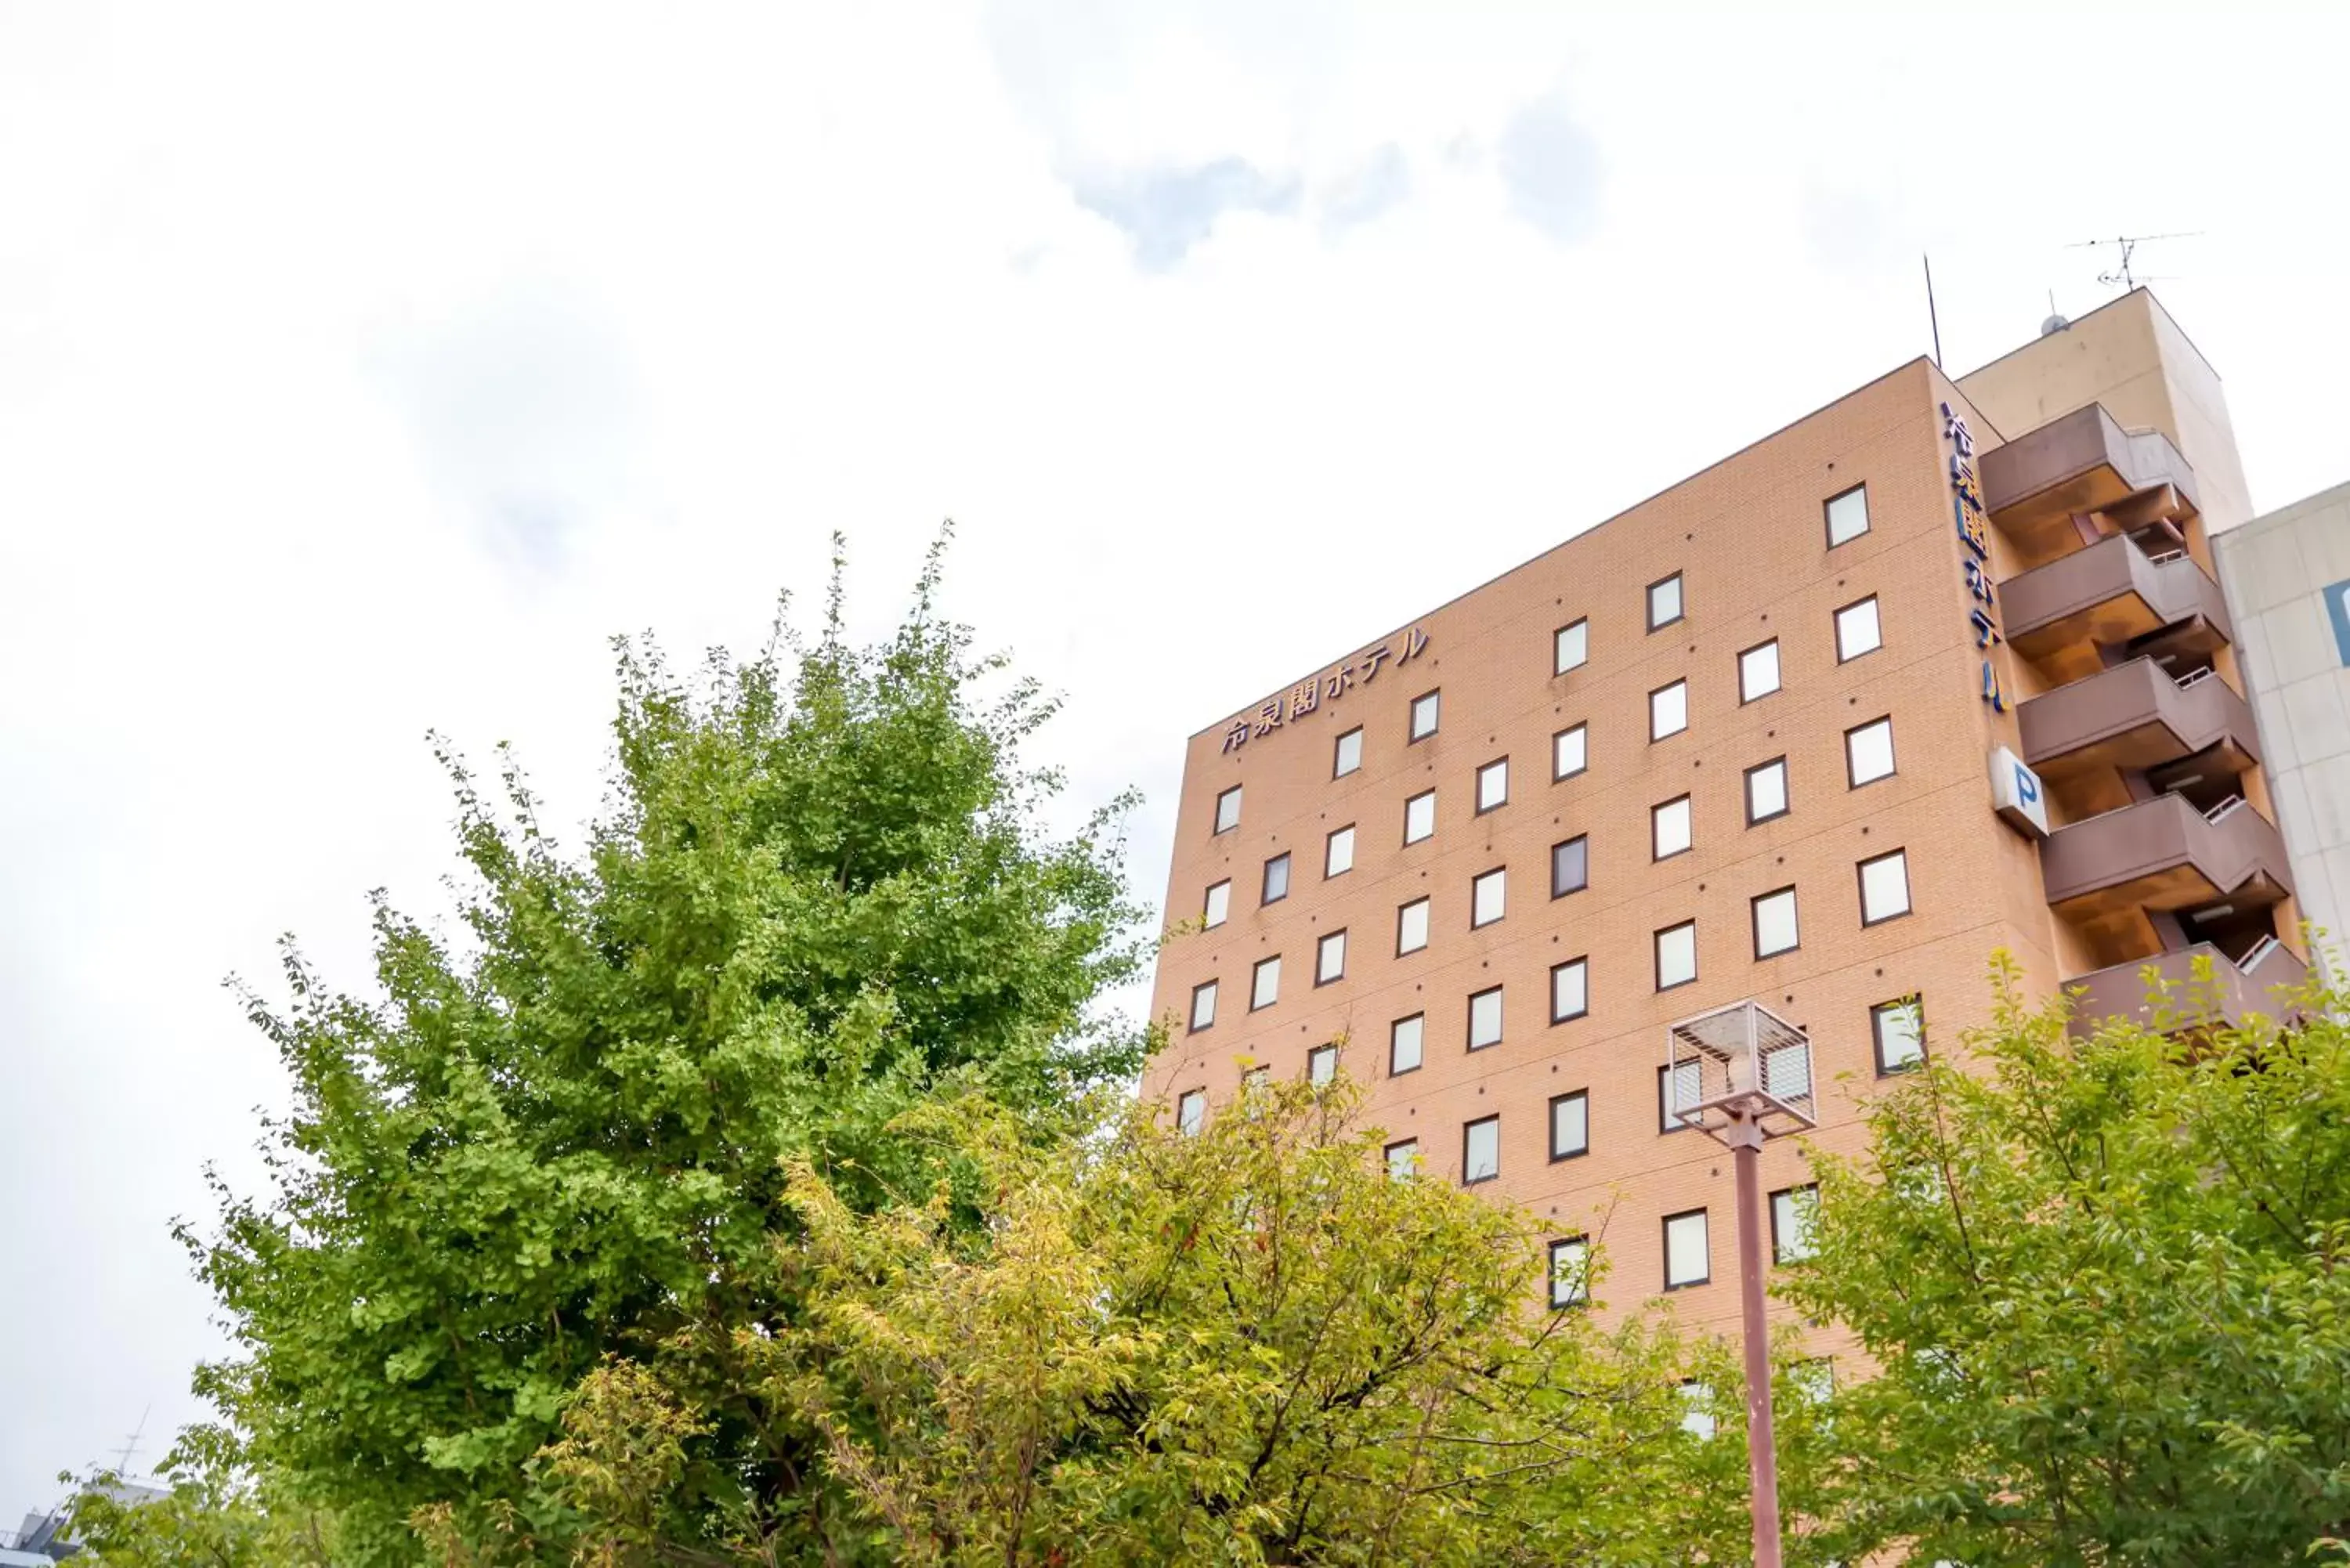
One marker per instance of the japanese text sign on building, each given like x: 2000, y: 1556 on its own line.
x: 1974, y: 532
x: 1309, y: 696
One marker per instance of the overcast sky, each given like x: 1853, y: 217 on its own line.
x: 360, y: 374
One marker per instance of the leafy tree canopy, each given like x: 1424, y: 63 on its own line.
x: 821, y: 894
x: 2106, y: 1281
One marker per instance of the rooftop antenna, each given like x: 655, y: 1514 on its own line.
x: 130, y: 1444
x: 1932, y: 319
x: 2123, y: 275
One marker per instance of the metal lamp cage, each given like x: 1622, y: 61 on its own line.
x: 1739, y: 1067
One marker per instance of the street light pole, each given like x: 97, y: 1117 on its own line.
x: 1762, y: 1439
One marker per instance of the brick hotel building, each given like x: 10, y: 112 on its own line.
x: 1938, y: 669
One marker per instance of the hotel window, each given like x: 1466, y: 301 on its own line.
x: 1899, y: 1029
x: 1405, y: 1037
x: 1697, y: 1408
x: 1569, y: 753
x: 1403, y: 1158
x: 1668, y: 710
x: 1265, y: 988
x: 1570, y: 1272
x: 1813, y: 1380
x: 1253, y: 1081
x: 1349, y: 753
x: 1219, y: 906
x: 1411, y: 926
x: 1669, y: 828
x: 1481, y: 1150
x: 1570, y: 989
x: 1424, y: 714
x: 1689, y: 1258
x: 1678, y: 1086
x: 1569, y: 647
x: 1203, y: 1005
x: 1419, y: 816
x: 1276, y: 879
x: 1321, y: 1064
x: 1570, y: 1125
x: 1191, y: 1112
x: 1774, y: 923
x: 1570, y: 866
x: 1847, y: 515
x: 1792, y: 1209
x: 1493, y: 784
x: 1884, y: 887
x: 1664, y: 602
x: 1758, y: 672
x: 1485, y: 1018
x: 1338, y: 852
x: 1677, y: 955
x: 1766, y: 791
x: 1857, y: 631
x: 1486, y: 897
x: 1330, y: 958
x: 1228, y: 810
x: 1868, y: 753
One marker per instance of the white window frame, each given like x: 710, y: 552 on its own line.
x: 1758, y: 672
x: 1321, y: 1065
x: 1475, y: 1172
x: 1570, y: 646
x: 1410, y: 924
x: 1434, y: 703
x: 1795, y: 1214
x: 1259, y: 997
x: 1849, y: 649
x: 1191, y: 1112
x: 1676, y: 601
x: 1338, y: 852
x: 1324, y: 969
x: 1572, y: 744
x: 1484, y: 1008
x: 1341, y: 764
x: 1910, y: 1011
x: 1578, y: 972
x: 1678, y: 1248
x: 1669, y: 707
x: 1492, y: 785
x: 1574, y: 1253
x: 1216, y: 905
x: 1489, y: 897
x: 1580, y: 1100
x: 1657, y: 944
x: 1205, y: 990
x: 1897, y: 863
x: 1403, y: 1159
x: 1672, y: 828
x: 1765, y: 906
x: 1424, y: 803
x: 1228, y: 820
x: 1397, y: 1034
x: 1828, y: 518
x: 1852, y: 761
x: 1786, y: 800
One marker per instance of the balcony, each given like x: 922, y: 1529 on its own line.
x: 2083, y: 466
x: 2265, y: 983
x: 2112, y: 594
x: 2134, y: 717
x: 2106, y: 874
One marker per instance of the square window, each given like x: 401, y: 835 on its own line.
x: 1570, y: 1125
x: 1677, y: 955
x: 1766, y: 791
x: 1403, y: 1158
x: 1884, y: 887
x: 1266, y: 988
x: 1792, y: 1211
x: 1405, y: 1037
x: 1570, y: 989
x: 1493, y: 784
x: 1669, y: 828
x: 1276, y: 879
x: 1424, y: 714
x: 1219, y: 904
x: 1228, y: 810
x: 1899, y: 1028
x: 1203, y: 1005
x: 1570, y: 1272
x: 1253, y: 1080
x: 1330, y: 958
x: 1481, y: 1150
x: 1321, y: 1064
x: 1758, y: 672
x: 1680, y: 1086
x: 1664, y: 602
x: 1419, y: 816
x: 1569, y: 754
x: 1570, y: 866
x: 1697, y: 1408
x: 1348, y: 754
x: 1338, y: 852
x: 1847, y: 515
x: 1191, y: 1112
x: 1569, y: 647
x: 1485, y: 1018
x: 1857, y: 631
x: 1411, y: 926
x: 1688, y: 1258
x: 1813, y: 1380
x: 1486, y: 899
x: 1868, y: 752
x: 1668, y: 710
x: 1774, y: 923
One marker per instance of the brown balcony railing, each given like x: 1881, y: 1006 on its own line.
x: 2135, y: 716
x: 2081, y: 463
x: 2165, y: 990
x: 2108, y: 594
x: 2164, y: 853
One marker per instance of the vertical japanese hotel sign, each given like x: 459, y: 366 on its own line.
x: 1974, y: 534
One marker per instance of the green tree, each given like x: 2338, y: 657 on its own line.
x: 1245, y: 1347
x: 821, y: 893
x: 2105, y: 1282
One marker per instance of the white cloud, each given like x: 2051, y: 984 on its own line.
x: 361, y: 372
